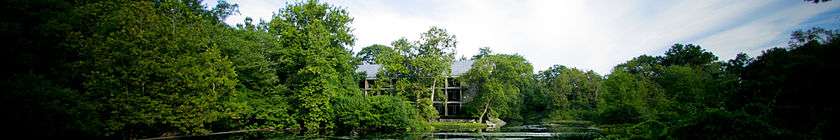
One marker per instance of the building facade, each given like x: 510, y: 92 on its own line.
x: 451, y: 106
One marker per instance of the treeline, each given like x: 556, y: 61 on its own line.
x: 688, y: 94
x: 685, y: 94
x: 140, y: 69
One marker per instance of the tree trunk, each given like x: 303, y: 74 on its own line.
x: 486, y: 107
x: 434, y: 82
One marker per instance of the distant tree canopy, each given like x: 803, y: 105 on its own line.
x: 123, y: 69
x: 570, y: 92
x: 688, y: 55
x: 482, y: 52
x: 369, y: 54
x: 785, y: 84
x: 775, y: 95
x: 817, y: 1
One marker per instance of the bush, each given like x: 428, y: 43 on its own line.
x: 620, y: 114
x: 458, y: 126
x: 718, y: 124
x: 376, y: 114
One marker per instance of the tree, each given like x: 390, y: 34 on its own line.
x: 147, y: 67
x: 654, y: 92
x: 367, y: 115
x: 572, y: 92
x: 817, y: 35
x: 482, y: 52
x: 784, y: 84
x: 369, y: 54
x: 644, y: 65
x: 690, y: 54
x: 315, y: 62
x: 260, y: 101
x: 224, y: 9
x: 499, y: 79
x: 40, y: 93
x: 738, y: 64
x: 417, y: 68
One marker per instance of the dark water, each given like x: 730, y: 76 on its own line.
x: 525, y: 132
x: 431, y: 136
x: 517, y: 135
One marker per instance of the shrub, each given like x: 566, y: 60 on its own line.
x: 458, y: 126
x: 620, y: 114
x: 718, y: 124
x: 376, y: 114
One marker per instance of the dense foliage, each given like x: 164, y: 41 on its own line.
x: 496, y: 80
x: 377, y: 114
x: 686, y: 94
x: 139, y: 69
x: 416, y: 70
x: 136, y: 69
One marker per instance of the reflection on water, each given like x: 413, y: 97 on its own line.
x: 524, y: 132
x: 430, y: 136
x: 516, y: 135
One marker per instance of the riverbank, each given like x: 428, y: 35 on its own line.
x: 563, y: 129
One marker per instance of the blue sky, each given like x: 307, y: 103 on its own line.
x: 586, y: 34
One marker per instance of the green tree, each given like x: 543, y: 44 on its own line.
x: 40, y: 93
x: 419, y: 68
x: 737, y: 65
x: 482, y: 52
x: 692, y: 55
x: 315, y: 62
x: 644, y: 65
x: 497, y: 80
x: 369, y: 54
x: 261, y: 100
x: 785, y: 84
x: 148, y: 64
x: 366, y: 115
x: 572, y: 93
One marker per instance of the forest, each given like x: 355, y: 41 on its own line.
x: 126, y: 69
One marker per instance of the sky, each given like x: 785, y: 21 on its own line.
x: 585, y: 34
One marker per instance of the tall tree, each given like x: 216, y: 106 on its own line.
x: 260, y: 101
x: 148, y: 64
x: 316, y: 62
x: 498, y: 80
x: 420, y: 67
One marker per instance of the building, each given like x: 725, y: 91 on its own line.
x: 452, y: 89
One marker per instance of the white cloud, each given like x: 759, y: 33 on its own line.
x: 764, y: 33
x: 591, y: 35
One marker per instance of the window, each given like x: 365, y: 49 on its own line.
x: 439, y: 108
x: 453, y: 82
x: 454, y: 94
x: 453, y: 109
x: 371, y: 84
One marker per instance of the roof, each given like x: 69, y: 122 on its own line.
x: 461, y: 67
x: 458, y: 68
x: 370, y: 70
